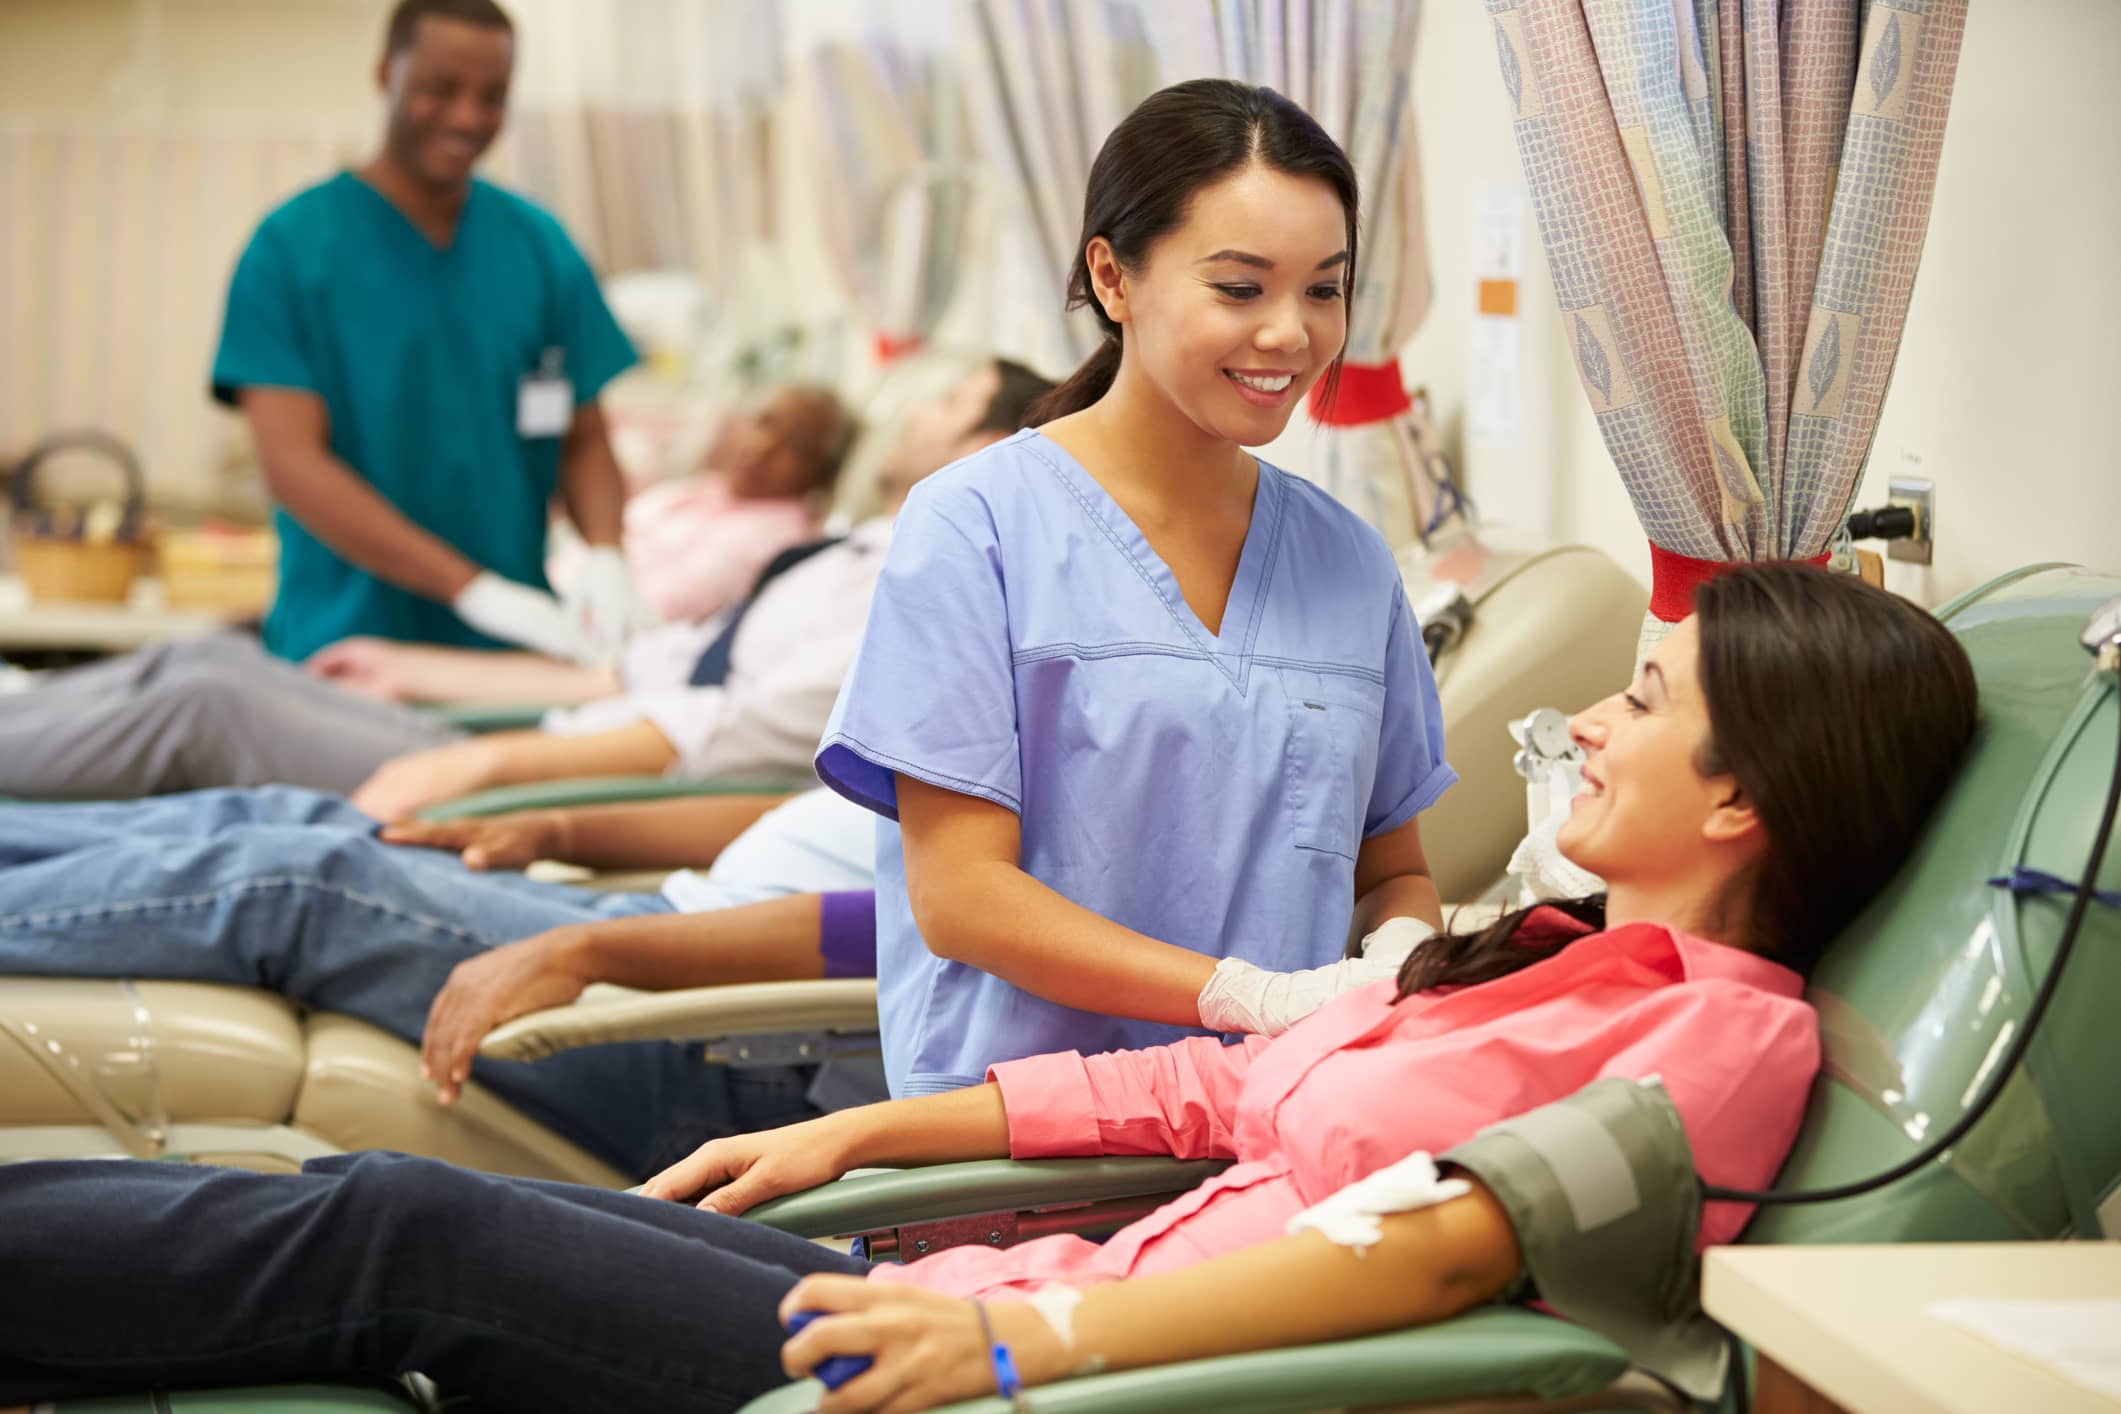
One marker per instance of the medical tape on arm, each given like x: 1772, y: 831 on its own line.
x: 1353, y: 1216
x: 1057, y: 1303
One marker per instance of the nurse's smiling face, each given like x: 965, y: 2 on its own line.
x: 448, y: 95
x: 1241, y: 308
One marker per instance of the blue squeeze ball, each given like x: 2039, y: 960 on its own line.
x: 840, y: 1368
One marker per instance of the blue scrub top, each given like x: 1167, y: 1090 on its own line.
x: 417, y: 353
x: 1026, y: 646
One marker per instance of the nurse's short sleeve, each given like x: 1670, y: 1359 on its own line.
x: 1411, y: 769
x: 932, y: 691
x: 263, y: 341
x: 597, y: 348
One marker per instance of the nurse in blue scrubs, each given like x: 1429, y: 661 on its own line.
x: 418, y: 354
x: 1132, y: 701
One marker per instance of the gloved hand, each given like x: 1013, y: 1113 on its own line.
x: 1241, y: 997
x: 503, y: 608
x: 604, y: 606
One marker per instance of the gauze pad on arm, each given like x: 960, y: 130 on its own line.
x: 1350, y: 1217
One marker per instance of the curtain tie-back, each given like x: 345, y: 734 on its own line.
x: 1674, y: 578
x: 891, y: 347
x: 1369, y: 392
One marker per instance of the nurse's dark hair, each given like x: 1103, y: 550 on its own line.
x: 1179, y: 140
x: 405, y: 20
x: 1840, y: 711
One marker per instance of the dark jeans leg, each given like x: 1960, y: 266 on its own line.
x: 522, y: 1296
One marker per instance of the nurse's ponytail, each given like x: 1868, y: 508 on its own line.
x: 1179, y: 140
x: 1841, y: 711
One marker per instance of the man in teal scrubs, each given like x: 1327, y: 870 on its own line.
x: 418, y: 355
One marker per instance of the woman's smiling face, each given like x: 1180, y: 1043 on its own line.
x: 1237, y: 312
x: 1645, y: 802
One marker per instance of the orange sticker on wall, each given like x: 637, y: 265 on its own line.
x: 1498, y: 297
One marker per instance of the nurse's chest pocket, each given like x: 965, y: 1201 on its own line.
x: 1330, y: 760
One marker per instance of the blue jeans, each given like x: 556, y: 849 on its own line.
x: 518, y: 1295
x: 289, y: 890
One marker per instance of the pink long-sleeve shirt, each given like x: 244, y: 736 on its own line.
x: 1365, y: 1081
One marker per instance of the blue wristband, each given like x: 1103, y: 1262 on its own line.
x: 1006, y: 1381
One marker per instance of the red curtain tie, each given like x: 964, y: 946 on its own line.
x: 1674, y: 578
x: 1369, y: 392
x: 892, y: 347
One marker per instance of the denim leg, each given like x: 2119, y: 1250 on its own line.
x: 520, y: 1296
x: 338, y: 921
x: 40, y: 831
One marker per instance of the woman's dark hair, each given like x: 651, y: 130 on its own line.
x: 1841, y: 711
x: 1179, y: 140
x: 1017, y: 392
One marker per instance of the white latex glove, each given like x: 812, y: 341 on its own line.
x: 604, y: 606
x: 1241, y: 997
x: 503, y: 608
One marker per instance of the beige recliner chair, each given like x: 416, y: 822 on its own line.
x: 240, y: 1076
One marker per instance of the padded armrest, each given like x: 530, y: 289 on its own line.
x: 1492, y: 1351
x: 901, y: 1196
x: 695, y: 1014
x: 479, y: 717
x: 606, y: 790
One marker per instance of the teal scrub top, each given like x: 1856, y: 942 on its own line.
x: 418, y: 354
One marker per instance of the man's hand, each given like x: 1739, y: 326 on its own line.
x: 368, y: 667
x: 604, y: 607
x: 502, y: 608
x: 484, y: 991
x: 508, y: 841
x: 408, y: 784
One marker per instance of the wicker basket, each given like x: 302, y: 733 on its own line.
x: 78, y: 571
x: 58, y: 562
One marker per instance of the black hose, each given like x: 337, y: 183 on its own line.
x: 2079, y: 903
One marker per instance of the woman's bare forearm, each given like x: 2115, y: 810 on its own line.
x: 1427, y: 1266
x: 1403, y: 896
x: 997, y: 918
x: 685, y: 833
x: 956, y: 1127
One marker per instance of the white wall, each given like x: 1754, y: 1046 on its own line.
x: 2005, y: 382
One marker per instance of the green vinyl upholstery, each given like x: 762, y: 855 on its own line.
x: 605, y: 790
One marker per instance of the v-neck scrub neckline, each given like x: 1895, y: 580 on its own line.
x: 1247, y: 587
x: 1025, y: 646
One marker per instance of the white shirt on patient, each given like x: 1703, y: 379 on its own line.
x: 792, y: 649
x: 814, y: 844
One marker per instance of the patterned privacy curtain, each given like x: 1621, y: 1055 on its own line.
x: 1351, y: 67
x: 882, y: 138
x: 1733, y: 196
x: 646, y: 126
x: 1045, y: 82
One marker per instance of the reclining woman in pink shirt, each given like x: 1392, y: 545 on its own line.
x: 1746, y: 797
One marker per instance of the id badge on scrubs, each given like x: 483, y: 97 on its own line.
x: 545, y: 400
